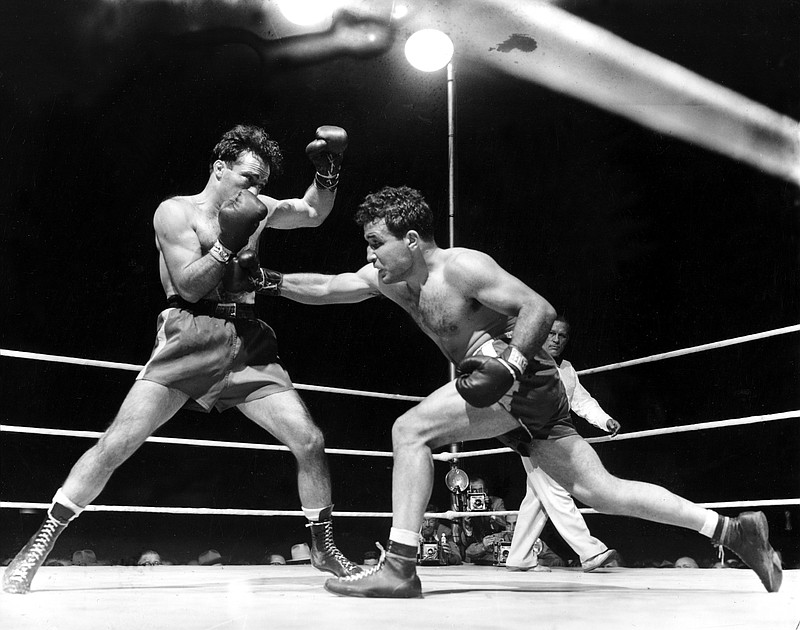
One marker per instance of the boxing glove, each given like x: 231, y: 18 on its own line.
x: 264, y: 281
x: 484, y: 380
x: 237, y: 277
x: 239, y: 219
x: 326, y: 153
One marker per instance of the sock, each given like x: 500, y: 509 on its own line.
x: 315, y: 515
x: 63, y: 508
x: 405, y: 537
x: 710, y: 524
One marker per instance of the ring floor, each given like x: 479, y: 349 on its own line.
x: 465, y: 597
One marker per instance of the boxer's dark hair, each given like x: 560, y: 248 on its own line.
x: 248, y: 138
x: 402, y: 208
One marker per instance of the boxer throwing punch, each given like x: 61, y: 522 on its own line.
x: 211, y: 351
x: 492, y: 326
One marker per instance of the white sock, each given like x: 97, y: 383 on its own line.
x: 404, y: 536
x: 312, y: 514
x: 710, y: 524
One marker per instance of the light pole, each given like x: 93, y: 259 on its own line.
x: 431, y: 50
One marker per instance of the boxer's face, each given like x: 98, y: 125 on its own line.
x: 387, y: 253
x: 248, y: 172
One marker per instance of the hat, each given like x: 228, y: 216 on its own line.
x: 276, y: 558
x: 209, y: 557
x: 84, y: 558
x: 301, y: 554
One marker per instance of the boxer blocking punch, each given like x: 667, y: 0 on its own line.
x: 212, y: 352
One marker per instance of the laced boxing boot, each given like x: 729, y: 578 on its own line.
x: 395, y: 575
x: 325, y: 555
x: 747, y: 535
x: 19, y: 574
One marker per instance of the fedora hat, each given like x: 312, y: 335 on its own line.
x: 276, y: 558
x: 301, y: 554
x: 209, y: 557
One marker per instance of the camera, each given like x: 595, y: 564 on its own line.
x: 501, y: 549
x: 478, y: 502
x: 430, y: 554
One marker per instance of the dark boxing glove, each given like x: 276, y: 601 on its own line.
x: 237, y: 276
x: 484, y: 380
x: 326, y: 153
x: 238, y: 219
x: 264, y: 281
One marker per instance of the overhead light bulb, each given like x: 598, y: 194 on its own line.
x: 429, y: 50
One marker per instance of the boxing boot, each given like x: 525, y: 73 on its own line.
x: 395, y: 576
x: 325, y: 555
x: 19, y: 574
x: 747, y: 535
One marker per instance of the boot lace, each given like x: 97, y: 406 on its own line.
x: 330, y: 547
x: 36, y: 551
x: 368, y: 572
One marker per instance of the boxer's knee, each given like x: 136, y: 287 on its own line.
x: 306, y: 441
x: 408, y: 432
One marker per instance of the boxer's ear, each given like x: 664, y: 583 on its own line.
x: 412, y: 239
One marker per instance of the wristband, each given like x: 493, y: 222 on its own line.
x: 328, y: 179
x: 220, y: 253
x: 326, y: 182
x: 267, y: 282
x: 516, y: 359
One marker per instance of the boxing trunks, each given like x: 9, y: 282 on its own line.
x: 537, y: 400
x: 220, y: 355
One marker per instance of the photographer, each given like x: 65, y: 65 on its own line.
x: 480, y: 533
x: 434, y: 532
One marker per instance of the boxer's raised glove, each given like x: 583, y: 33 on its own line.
x: 238, y: 220
x: 485, y: 380
x: 326, y: 152
x: 264, y: 281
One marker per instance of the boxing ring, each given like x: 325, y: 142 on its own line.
x: 582, y: 61
x: 464, y: 596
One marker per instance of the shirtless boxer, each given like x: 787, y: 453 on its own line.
x: 492, y: 326
x: 211, y: 351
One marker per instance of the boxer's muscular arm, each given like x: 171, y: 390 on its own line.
x: 326, y: 153
x: 344, y: 288
x: 484, y: 380
x: 482, y: 279
x: 193, y: 274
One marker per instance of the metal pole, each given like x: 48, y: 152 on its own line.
x: 451, y: 163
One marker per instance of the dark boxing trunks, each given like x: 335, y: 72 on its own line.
x: 538, y: 400
x: 218, y: 359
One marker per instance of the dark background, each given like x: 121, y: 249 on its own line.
x: 648, y: 244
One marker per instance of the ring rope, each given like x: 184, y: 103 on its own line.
x: 187, y: 441
x: 717, y: 424
x: 706, y: 346
x: 449, y: 515
x: 603, y: 368
x: 449, y: 456
x: 53, y: 358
